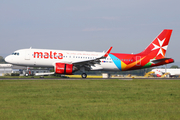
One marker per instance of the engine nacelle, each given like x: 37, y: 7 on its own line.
x: 63, y: 68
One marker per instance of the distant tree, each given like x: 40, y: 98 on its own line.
x: 174, y: 66
x: 2, y: 61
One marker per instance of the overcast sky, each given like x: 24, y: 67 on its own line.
x: 89, y: 25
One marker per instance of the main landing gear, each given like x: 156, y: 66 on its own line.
x: 83, y: 75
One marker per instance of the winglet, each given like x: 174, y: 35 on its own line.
x: 107, y: 52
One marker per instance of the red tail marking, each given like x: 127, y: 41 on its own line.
x: 159, y: 46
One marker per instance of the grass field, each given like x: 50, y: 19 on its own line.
x: 90, y: 99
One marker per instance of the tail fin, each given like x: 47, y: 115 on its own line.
x: 157, y: 48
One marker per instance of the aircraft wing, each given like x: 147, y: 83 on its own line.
x: 91, y: 62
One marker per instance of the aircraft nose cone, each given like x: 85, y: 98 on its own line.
x: 8, y: 59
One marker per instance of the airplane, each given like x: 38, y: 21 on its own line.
x: 68, y: 62
x: 172, y: 72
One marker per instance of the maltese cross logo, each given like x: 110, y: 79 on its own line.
x: 162, y: 49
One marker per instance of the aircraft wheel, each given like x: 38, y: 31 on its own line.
x: 83, y: 75
x: 26, y: 75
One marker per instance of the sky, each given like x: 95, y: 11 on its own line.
x: 89, y: 25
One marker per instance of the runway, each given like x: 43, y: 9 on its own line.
x: 89, y: 78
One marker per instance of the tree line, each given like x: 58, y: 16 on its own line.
x: 2, y: 61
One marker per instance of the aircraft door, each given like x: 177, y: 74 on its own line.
x: 138, y: 60
x: 27, y: 55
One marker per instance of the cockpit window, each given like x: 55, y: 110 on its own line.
x: 15, y: 53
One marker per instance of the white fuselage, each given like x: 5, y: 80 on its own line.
x: 48, y: 58
x: 171, y: 71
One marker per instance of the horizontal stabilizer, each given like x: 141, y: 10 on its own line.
x: 170, y: 60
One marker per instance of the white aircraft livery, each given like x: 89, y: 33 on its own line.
x: 68, y: 62
x: 172, y: 72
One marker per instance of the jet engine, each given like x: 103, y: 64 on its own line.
x: 63, y: 68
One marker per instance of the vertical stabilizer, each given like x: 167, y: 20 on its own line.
x: 157, y: 48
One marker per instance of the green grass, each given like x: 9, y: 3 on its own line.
x: 90, y: 99
x: 24, y: 77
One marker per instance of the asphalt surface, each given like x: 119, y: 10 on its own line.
x: 89, y: 78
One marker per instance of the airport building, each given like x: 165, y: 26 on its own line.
x: 9, y: 68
